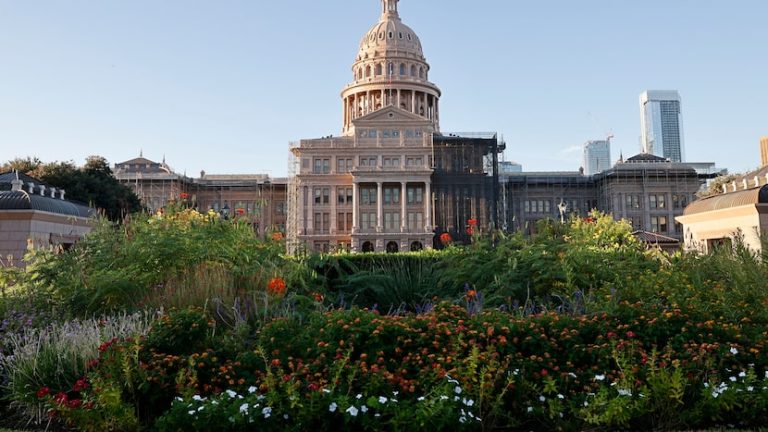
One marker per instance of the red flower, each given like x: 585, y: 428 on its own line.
x: 74, y: 403
x: 43, y: 392
x: 318, y: 297
x: 277, y: 236
x: 80, y: 385
x: 544, y: 372
x: 240, y: 211
x: 472, y: 222
x: 184, y: 195
x: 470, y: 231
x: 589, y: 220
x: 611, y: 335
x: 276, y: 286
x: 631, y: 334
x: 445, y: 238
x: 61, y: 398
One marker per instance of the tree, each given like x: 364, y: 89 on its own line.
x: 28, y: 165
x: 716, y: 186
x: 93, y: 184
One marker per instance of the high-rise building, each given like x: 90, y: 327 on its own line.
x: 764, y: 151
x: 597, y: 156
x: 661, y: 122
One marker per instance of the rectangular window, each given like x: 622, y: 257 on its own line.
x: 391, y: 221
x: 415, y: 221
x: 322, y: 166
x: 657, y: 201
x: 633, y: 202
x: 415, y: 194
x: 659, y: 224
x: 367, y: 220
x: 318, y: 195
x: 368, y: 195
x: 391, y: 195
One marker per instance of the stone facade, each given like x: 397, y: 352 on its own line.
x: 257, y: 198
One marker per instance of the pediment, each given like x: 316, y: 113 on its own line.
x: 390, y: 114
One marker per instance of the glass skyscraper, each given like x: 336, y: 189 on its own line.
x: 661, y: 120
x: 597, y: 156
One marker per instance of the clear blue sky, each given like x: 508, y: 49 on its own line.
x: 225, y: 85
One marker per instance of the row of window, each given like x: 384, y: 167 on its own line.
x: 378, y: 70
x: 656, y: 201
x: 389, y: 133
x: 392, y: 221
x: 368, y: 195
x: 249, y: 207
x: 345, y: 165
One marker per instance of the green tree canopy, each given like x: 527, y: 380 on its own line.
x: 94, y: 183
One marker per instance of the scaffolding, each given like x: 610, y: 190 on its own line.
x: 293, y: 243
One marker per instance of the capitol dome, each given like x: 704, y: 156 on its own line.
x: 390, y: 70
x: 390, y: 34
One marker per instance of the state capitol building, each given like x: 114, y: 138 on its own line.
x: 393, y: 181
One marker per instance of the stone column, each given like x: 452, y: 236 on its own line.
x: 413, y: 102
x: 428, y: 205
x: 310, y: 210
x: 334, y: 199
x: 368, y: 103
x: 355, y: 207
x: 379, y: 207
x: 403, y: 209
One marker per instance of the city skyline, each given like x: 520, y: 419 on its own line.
x: 225, y: 88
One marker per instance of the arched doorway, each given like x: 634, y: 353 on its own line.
x: 416, y: 246
x: 392, y: 247
x: 367, y: 247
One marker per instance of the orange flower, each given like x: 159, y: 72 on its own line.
x: 471, y: 293
x: 445, y: 238
x: 472, y: 222
x: 240, y: 211
x: 277, y: 236
x: 276, y: 286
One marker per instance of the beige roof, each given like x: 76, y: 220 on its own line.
x: 756, y: 195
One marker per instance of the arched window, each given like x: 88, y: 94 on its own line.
x: 368, y: 71
x: 402, y: 68
x: 413, y: 70
x: 367, y: 247
x: 391, y: 69
x: 421, y: 72
x: 416, y: 246
x: 378, y: 69
x: 392, y: 247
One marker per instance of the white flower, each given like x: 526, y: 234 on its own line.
x: 750, y: 388
x: 201, y: 408
x: 332, y: 407
x: 377, y: 415
x: 197, y: 398
x: 599, y: 377
x: 326, y: 390
x: 715, y: 394
x: 267, y: 411
x: 451, y: 380
x: 733, y: 379
x: 395, y: 393
x: 766, y: 374
x: 468, y: 402
x: 457, y: 389
x: 443, y: 397
x: 420, y: 398
x: 178, y: 399
x: 530, y: 409
x: 286, y: 416
x: 359, y: 395
x: 383, y: 399
x: 191, y: 412
x: 352, y: 411
x: 706, y: 385
x: 571, y: 374
x: 734, y: 351
x: 586, y: 403
x: 231, y: 394
x: 364, y: 409
x: 559, y: 396
x: 463, y: 419
x: 542, y: 398
x: 244, y: 408
x: 251, y: 389
x: 625, y: 392
x: 742, y: 374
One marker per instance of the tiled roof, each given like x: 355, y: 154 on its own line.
x: 756, y: 195
x: 21, y: 200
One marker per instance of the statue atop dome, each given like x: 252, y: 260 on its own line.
x: 389, y: 7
